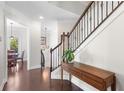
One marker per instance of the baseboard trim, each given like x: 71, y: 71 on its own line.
x: 2, y: 85
x: 35, y: 67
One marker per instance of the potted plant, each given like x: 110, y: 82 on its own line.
x: 14, y: 44
x: 68, y: 55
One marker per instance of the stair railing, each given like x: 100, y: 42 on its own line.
x: 93, y: 16
x: 57, y: 53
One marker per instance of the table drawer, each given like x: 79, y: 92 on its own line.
x: 92, y: 77
x: 93, y: 82
x: 75, y: 72
x: 72, y: 71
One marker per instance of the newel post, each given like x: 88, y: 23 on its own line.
x: 68, y: 39
x: 50, y: 59
x: 63, y: 40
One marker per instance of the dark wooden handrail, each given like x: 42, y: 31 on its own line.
x: 60, y: 41
x: 58, y: 44
x: 81, y: 17
x: 90, y: 22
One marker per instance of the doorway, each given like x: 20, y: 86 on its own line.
x: 17, y: 45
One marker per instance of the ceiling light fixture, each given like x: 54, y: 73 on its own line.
x: 11, y: 37
x: 41, y: 17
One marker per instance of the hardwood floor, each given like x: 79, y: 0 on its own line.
x: 19, y: 79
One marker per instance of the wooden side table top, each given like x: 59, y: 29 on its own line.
x: 97, y: 77
x: 101, y: 73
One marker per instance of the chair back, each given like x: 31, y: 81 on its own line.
x: 9, y: 54
x: 22, y: 55
x: 11, y: 51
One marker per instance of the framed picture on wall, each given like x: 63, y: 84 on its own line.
x: 43, y: 40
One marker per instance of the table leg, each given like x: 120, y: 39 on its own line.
x: 113, y: 86
x: 61, y: 73
x: 69, y: 77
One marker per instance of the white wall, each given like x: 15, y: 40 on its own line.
x: 65, y: 26
x: 2, y: 49
x: 104, y: 49
x: 51, y: 37
x: 52, y: 31
x: 34, y: 45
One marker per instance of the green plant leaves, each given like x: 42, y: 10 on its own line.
x: 14, y: 44
x: 68, y: 54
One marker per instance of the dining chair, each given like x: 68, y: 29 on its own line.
x: 11, y: 58
x: 20, y: 57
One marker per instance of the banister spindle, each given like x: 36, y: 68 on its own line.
x: 82, y: 30
x: 73, y: 41
x: 51, y: 60
x: 94, y: 15
x: 77, y: 36
x: 90, y: 20
x: 106, y: 8
x: 112, y: 6
x: 79, y: 32
x: 101, y: 11
x: 118, y: 2
x: 97, y: 12
x: 87, y: 23
x: 58, y: 56
x: 84, y: 27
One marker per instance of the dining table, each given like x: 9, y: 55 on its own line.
x: 12, y: 59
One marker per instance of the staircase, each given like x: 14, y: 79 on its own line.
x: 94, y: 15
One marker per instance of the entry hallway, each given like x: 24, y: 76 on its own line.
x: 19, y: 79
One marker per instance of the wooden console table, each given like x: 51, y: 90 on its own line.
x: 96, y: 77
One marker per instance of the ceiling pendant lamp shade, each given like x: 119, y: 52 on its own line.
x: 11, y: 37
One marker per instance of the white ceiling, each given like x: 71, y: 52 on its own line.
x: 49, y: 10
x: 76, y: 7
x: 14, y: 24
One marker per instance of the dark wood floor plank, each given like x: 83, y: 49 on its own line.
x: 35, y: 80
